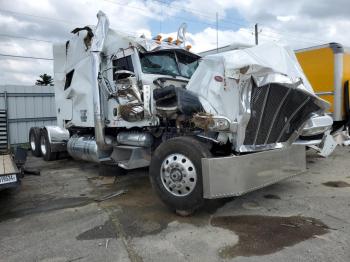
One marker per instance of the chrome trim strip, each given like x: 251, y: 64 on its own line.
x: 336, y: 48
x: 324, y: 93
x: 338, y: 86
x: 290, y: 118
x: 275, y: 115
x: 261, y: 114
x: 307, y: 142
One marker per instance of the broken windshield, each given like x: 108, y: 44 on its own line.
x: 169, y: 63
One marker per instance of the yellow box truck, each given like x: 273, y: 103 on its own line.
x: 327, y: 67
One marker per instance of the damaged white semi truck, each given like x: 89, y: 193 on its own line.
x: 211, y: 127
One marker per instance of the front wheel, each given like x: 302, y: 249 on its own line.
x: 176, y: 173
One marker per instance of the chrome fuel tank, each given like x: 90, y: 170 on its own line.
x: 85, y: 148
x: 142, y: 139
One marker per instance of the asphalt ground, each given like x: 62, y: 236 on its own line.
x: 62, y: 215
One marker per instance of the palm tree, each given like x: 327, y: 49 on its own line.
x: 45, y: 80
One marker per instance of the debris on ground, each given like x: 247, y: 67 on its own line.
x: 106, y: 197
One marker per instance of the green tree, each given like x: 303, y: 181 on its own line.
x: 45, y: 80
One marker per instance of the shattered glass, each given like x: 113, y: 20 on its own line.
x: 168, y: 63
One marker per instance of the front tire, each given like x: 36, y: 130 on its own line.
x: 176, y: 173
x: 45, y: 147
x: 34, y: 141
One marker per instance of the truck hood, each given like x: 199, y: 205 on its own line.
x: 262, y: 89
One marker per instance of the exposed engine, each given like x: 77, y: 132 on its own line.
x: 129, y: 97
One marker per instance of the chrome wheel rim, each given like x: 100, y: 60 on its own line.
x: 43, y: 145
x: 178, y: 175
x: 32, y: 142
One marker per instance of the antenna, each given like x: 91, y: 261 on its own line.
x: 181, y: 33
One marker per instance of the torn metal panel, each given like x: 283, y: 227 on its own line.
x: 263, y: 89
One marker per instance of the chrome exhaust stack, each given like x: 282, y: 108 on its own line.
x: 96, y: 49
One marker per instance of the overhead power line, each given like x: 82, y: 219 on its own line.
x: 170, y: 5
x: 222, y: 20
x: 293, y: 36
x: 36, y: 16
x: 27, y: 38
x: 211, y: 16
x: 71, y: 23
x: 122, y: 31
x: 26, y: 57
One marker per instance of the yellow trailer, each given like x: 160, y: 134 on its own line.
x: 327, y: 67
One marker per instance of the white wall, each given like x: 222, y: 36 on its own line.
x: 28, y: 106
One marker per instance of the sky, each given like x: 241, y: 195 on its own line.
x: 28, y: 28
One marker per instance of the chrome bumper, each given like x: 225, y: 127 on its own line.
x: 237, y: 175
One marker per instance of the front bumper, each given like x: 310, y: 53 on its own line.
x: 237, y: 175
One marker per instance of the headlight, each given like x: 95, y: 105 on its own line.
x: 317, y: 125
x: 212, y: 123
x: 220, y: 124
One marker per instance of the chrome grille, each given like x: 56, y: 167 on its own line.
x: 277, y: 111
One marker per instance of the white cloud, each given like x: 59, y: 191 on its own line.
x: 131, y: 17
x: 23, y: 47
x: 23, y: 71
x: 285, y: 18
x: 298, y: 23
x: 206, y: 39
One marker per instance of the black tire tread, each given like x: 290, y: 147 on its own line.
x: 49, y: 156
x: 193, y: 149
x: 37, y: 132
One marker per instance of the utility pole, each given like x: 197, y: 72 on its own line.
x: 217, y: 32
x: 256, y: 34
